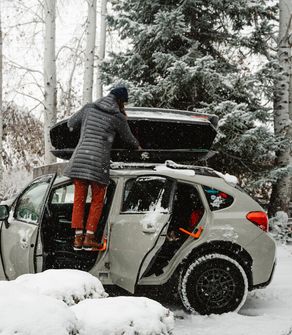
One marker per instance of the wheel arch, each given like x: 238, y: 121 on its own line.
x: 227, y: 248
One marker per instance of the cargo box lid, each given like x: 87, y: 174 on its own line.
x: 162, y: 133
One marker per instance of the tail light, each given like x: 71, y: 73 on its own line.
x: 260, y: 219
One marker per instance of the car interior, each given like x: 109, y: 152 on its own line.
x: 57, y: 235
x: 187, y: 211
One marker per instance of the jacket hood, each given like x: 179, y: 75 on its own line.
x: 108, y: 104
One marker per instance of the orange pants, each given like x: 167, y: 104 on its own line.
x: 96, y: 206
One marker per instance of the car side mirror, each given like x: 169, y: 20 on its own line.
x: 4, y: 214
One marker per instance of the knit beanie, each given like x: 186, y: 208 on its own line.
x: 120, y: 92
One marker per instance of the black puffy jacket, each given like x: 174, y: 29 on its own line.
x: 99, y: 122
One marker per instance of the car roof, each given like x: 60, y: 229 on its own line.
x: 169, y: 168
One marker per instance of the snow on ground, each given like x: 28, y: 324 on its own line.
x: 123, y: 315
x: 24, y: 312
x: 70, y: 286
x: 267, y: 311
x: 36, y: 304
x: 25, y: 308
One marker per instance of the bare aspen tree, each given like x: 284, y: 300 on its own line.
x: 1, y: 109
x: 50, y: 89
x: 101, y: 46
x: 283, y: 110
x: 89, y: 52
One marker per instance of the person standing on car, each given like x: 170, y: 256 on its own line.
x: 90, y: 162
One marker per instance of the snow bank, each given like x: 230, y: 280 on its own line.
x: 70, y: 286
x: 36, y: 304
x: 26, y: 313
x: 123, y: 315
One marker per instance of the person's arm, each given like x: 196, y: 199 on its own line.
x: 75, y: 121
x: 125, y: 133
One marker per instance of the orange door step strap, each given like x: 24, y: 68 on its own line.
x: 104, y: 245
x: 195, y: 235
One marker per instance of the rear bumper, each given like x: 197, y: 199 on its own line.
x: 263, y: 252
x: 262, y: 285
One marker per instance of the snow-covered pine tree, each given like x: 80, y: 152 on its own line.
x: 23, y: 148
x: 196, y: 55
x: 23, y: 138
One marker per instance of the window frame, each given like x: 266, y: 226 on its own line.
x: 50, y: 178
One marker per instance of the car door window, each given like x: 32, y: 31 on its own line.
x: 29, y: 205
x: 65, y: 195
x: 145, y: 194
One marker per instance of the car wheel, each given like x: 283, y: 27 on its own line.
x: 213, y: 284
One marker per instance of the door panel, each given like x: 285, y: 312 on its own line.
x: 137, y: 229
x: 18, y: 242
x: 20, y: 237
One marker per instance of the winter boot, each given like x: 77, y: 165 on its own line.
x: 78, y: 242
x: 90, y: 243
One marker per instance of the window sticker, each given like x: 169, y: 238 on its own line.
x: 217, y: 199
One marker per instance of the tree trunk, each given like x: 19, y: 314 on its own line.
x: 282, y: 108
x: 89, y: 52
x: 101, y: 46
x: 50, y: 87
x: 1, y: 109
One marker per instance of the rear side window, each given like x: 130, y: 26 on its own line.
x: 146, y: 194
x: 217, y: 199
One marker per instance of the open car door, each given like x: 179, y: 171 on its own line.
x: 138, y: 229
x: 20, y: 244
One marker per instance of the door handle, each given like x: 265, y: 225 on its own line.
x: 149, y: 229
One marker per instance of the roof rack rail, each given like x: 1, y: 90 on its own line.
x: 122, y: 165
x: 200, y: 170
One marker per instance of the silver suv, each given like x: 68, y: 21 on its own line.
x: 161, y: 224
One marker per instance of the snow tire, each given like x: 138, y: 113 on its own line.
x: 213, y: 284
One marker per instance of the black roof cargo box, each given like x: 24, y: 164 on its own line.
x: 162, y: 133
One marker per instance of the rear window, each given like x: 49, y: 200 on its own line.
x: 217, y: 199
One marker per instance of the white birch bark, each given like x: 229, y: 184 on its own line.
x: 1, y: 109
x: 101, y: 46
x: 50, y: 87
x: 89, y: 52
x: 282, y: 108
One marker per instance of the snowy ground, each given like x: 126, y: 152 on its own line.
x: 267, y: 311
x: 70, y: 302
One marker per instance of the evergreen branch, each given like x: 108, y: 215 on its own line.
x: 238, y: 159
